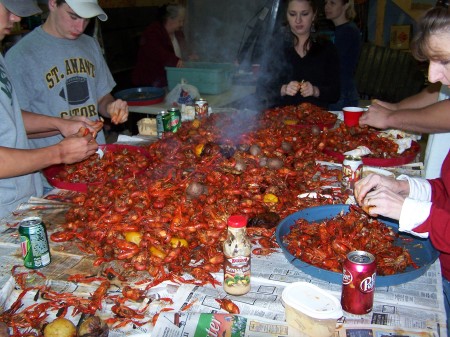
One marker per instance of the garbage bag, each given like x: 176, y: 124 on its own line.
x: 183, y: 93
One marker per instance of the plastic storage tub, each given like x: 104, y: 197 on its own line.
x: 311, y: 311
x: 208, y: 78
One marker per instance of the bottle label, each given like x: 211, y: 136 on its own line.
x: 237, y: 271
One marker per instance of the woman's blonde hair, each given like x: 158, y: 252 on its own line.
x: 350, y: 13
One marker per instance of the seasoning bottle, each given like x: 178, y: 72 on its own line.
x: 237, y: 251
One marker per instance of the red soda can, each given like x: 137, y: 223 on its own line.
x: 358, y: 282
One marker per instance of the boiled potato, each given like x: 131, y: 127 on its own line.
x: 60, y: 327
x: 3, y: 330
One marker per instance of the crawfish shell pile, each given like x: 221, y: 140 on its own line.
x: 326, y: 244
x: 171, y: 231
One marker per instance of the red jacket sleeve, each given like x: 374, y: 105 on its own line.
x: 438, y: 223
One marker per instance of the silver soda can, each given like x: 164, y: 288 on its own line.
x: 352, y: 168
x: 201, y: 108
x: 162, y: 126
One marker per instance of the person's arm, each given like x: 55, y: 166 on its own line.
x: 116, y: 109
x: 438, y: 227
x: 39, y: 126
x: 16, y: 162
x: 431, y: 119
x: 419, y: 113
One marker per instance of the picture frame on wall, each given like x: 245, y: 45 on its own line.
x: 400, y: 36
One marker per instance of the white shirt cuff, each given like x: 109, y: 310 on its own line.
x: 413, y: 214
x: 419, y: 188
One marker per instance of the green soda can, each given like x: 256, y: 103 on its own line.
x: 175, y: 122
x: 34, y: 243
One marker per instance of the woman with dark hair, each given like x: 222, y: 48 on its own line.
x: 302, y: 68
x: 422, y: 206
x: 347, y: 39
x: 161, y: 45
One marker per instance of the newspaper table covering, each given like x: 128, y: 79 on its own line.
x: 412, y: 309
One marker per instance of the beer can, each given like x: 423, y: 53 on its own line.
x: 352, y: 168
x: 201, y: 108
x: 163, y: 120
x: 34, y: 243
x: 175, y: 119
x: 358, y: 282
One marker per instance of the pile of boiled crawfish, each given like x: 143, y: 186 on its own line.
x: 172, y: 219
x: 325, y: 244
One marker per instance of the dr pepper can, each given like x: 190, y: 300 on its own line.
x: 358, y: 282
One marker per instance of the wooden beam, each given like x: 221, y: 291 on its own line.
x: 379, y: 23
x: 133, y: 3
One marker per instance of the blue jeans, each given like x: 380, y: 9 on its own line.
x: 446, y: 286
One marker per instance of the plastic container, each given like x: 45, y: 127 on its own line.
x: 311, y: 311
x: 208, y: 78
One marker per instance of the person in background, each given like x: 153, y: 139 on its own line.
x: 347, y: 39
x: 19, y: 165
x: 302, y: 68
x: 59, y: 71
x: 422, y: 206
x: 162, y: 45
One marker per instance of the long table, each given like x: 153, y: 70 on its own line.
x: 415, y: 308
x: 235, y: 93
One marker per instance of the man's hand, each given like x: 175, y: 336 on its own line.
x: 77, y: 147
x: 118, y: 110
x: 71, y: 125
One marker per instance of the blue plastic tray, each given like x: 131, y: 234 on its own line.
x: 421, y: 250
x: 141, y: 96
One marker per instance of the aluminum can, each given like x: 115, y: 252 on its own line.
x: 358, y: 282
x: 34, y: 243
x: 175, y: 119
x: 163, y: 120
x: 352, y: 168
x: 201, y: 108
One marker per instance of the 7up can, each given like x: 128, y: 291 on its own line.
x: 34, y: 243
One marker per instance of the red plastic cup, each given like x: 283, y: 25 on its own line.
x: 352, y: 115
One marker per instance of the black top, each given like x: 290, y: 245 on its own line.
x: 320, y: 66
x: 348, y: 43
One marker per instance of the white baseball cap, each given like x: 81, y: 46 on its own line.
x: 22, y: 8
x: 87, y: 9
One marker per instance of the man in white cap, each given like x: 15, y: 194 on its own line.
x: 60, y: 71
x: 19, y: 164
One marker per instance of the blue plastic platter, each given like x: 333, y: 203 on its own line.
x: 421, y: 250
x: 141, y: 96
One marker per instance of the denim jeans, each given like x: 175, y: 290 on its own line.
x: 446, y: 286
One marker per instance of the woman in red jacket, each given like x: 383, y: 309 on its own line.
x: 422, y: 206
x: 161, y: 46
